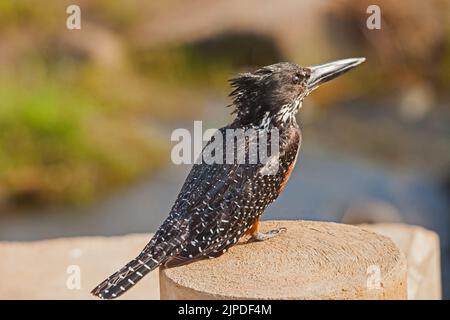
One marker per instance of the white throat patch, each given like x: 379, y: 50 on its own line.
x: 288, y: 111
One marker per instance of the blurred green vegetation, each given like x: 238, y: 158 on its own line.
x: 70, y: 128
x: 78, y: 108
x: 59, y: 145
x: 73, y: 127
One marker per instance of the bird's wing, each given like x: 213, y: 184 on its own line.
x: 216, y: 202
x: 213, y: 209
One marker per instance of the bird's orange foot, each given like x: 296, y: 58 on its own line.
x: 260, y: 236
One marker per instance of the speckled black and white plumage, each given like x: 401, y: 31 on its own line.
x: 218, y: 203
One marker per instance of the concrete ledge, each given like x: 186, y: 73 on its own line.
x: 38, y: 270
x: 422, y: 250
x: 312, y: 260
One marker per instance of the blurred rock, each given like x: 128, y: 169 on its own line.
x: 94, y: 42
x: 416, y: 102
x: 371, y: 212
x: 409, y: 45
x: 288, y: 22
x: 422, y: 250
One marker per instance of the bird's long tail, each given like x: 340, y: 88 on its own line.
x: 127, y: 277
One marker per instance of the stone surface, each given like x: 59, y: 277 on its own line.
x: 421, y: 247
x: 312, y: 260
x: 39, y: 270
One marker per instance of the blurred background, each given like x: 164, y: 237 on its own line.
x: 86, y: 115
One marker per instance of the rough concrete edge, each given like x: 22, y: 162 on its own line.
x: 396, y: 284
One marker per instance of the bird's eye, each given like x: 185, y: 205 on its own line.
x: 296, y: 79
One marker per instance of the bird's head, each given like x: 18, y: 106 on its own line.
x: 276, y: 92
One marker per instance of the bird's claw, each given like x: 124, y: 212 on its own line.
x: 259, y: 236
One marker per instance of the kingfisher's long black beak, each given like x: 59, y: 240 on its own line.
x: 328, y: 71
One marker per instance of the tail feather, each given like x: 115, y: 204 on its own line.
x: 127, y: 277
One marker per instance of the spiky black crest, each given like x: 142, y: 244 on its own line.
x: 267, y: 90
